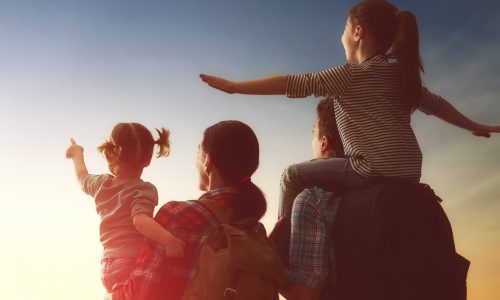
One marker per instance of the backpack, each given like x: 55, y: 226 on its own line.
x: 236, y: 263
x: 394, y: 242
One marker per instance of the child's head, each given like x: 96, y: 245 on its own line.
x: 130, y: 146
x: 389, y: 32
x: 326, y: 138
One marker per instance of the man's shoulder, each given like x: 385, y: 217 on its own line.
x: 315, y: 201
x: 185, y: 213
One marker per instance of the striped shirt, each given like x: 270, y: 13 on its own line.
x: 373, y: 123
x: 117, y: 205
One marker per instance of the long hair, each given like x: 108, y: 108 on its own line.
x: 395, y: 34
x: 132, y: 144
x: 234, y: 150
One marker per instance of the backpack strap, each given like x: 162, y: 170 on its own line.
x: 231, y: 291
x: 215, y: 209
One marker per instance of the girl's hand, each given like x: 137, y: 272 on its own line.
x: 174, y: 247
x: 74, y: 150
x: 485, y: 131
x: 219, y: 83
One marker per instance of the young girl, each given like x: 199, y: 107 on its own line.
x: 124, y: 202
x: 374, y: 99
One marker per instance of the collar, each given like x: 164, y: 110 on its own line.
x: 379, y: 58
x: 222, y: 192
x: 220, y: 196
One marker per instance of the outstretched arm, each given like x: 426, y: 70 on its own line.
x: 451, y: 115
x: 75, y: 153
x: 149, y: 228
x: 275, y: 85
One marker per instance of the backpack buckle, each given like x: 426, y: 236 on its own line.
x: 230, y: 293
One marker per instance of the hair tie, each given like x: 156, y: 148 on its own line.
x: 245, y: 179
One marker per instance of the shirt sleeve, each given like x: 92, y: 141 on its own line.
x: 308, y: 256
x: 92, y: 183
x: 332, y: 82
x: 144, y: 200
x: 430, y: 103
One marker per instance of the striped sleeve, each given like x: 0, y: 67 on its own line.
x: 144, y: 200
x: 332, y: 82
x: 430, y: 103
x: 90, y: 183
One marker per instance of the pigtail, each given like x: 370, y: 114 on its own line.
x: 163, y: 141
x: 406, y: 50
x: 110, y: 151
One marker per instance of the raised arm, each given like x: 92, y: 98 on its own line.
x: 275, y: 85
x: 451, y: 115
x: 149, y: 228
x: 75, y: 153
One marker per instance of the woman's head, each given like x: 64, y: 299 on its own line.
x: 233, y: 149
x: 391, y: 33
x: 131, y: 146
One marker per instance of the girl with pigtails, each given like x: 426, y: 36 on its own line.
x: 375, y: 93
x: 123, y: 201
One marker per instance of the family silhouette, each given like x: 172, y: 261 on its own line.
x: 362, y: 138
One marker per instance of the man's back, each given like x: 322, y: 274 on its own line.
x: 311, y: 246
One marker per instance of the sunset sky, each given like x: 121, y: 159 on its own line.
x: 73, y: 68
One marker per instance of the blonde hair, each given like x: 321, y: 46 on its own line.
x: 132, y: 144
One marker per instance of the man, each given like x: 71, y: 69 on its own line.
x: 311, y: 248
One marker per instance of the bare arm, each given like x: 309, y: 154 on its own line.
x: 451, y: 115
x: 275, y: 85
x: 149, y: 228
x: 75, y: 153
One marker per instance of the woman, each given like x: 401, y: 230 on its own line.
x: 227, y: 157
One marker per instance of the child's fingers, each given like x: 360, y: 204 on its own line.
x: 483, y: 134
x: 68, y: 154
x: 72, y: 141
x: 169, y: 252
x: 209, y: 78
x: 206, y: 77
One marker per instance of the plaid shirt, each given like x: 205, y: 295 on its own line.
x: 159, y: 277
x: 311, y: 246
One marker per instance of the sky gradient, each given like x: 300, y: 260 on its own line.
x: 76, y: 68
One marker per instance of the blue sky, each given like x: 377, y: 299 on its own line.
x: 76, y: 68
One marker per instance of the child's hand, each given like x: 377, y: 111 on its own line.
x: 174, y: 247
x: 219, y: 83
x: 74, y: 149
x: 485, y: 131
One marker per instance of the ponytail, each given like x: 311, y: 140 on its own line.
x: 163, y: 141
x: 396, y: 32
x: 406, y: 50
x: 249, y: 202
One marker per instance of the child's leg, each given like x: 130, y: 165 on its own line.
x: 116, y: 270
x: 327, y: 173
